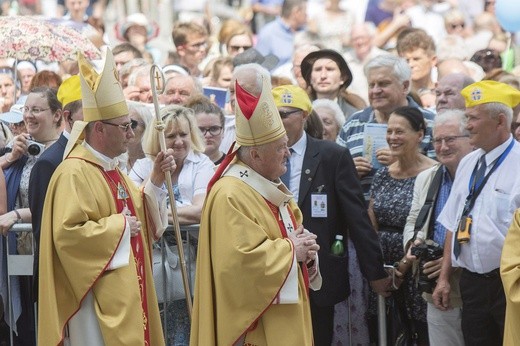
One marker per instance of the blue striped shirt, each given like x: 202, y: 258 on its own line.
x: 352, y: 135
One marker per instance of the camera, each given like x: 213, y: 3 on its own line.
x: 426, y: 252
x: 34, y: 148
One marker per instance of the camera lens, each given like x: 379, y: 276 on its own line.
x: 33, y: 149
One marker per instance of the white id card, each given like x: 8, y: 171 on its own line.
x: 318, y: 205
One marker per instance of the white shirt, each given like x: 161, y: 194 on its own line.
x: 296, y: 160
x: 493, y: 210
x: 229, y: 133
x: 194, y: 177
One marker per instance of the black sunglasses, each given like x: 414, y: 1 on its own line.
x: 285, y: 114
x: 132, y: 125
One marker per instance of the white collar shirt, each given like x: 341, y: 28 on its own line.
x: 492, y: 212
x: 296, y: 159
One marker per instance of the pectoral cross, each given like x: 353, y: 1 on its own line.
x: 121, y: 192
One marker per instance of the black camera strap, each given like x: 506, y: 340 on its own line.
x: 429, y: 202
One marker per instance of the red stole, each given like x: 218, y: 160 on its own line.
x: 123, y: 199
x: 276, y: 212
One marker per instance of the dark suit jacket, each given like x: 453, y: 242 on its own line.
x: 329, y: 167
x: 41, y: 174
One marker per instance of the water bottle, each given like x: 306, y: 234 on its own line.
x: 337, y: 247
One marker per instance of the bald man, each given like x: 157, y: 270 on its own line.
x: 448, y: 89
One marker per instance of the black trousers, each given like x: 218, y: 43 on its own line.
x: 483, y: 308
x: 322, y: 324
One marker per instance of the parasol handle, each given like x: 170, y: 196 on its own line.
x: 157, y: 75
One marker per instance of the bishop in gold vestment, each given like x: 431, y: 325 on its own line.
x: 96, y: 284
x: 82, y: 231
x: 251, y: 285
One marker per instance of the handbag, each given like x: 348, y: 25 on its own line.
x: 400, y: 329
x: 167, y: 275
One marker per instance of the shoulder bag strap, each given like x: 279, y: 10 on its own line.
x: 430, y: 199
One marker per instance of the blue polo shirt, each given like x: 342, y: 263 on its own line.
x: 276, y: 38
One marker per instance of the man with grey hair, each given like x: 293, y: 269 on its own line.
x: 363, y: 50
x: 447, y: 92
x: 139, y: 87
x: 388, y: 86
x: 451, y: 143
x: 179, y: 89
x: 477, y: 215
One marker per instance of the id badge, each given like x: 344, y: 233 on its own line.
x: 318, y: 205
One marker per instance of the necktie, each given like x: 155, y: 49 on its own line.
x: 286, y: 177
x: 479, y: 175
x: 481, y: 171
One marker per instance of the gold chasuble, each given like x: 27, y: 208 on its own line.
x: 82, y: 228
x: 510, y: 273
x: 242, y: 264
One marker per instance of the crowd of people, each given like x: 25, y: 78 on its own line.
x: 391, y: 127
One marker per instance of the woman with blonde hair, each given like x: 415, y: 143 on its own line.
x: 194, y: 169
x: 238, y: 40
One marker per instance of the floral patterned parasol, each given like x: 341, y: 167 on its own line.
x: 35, y: 38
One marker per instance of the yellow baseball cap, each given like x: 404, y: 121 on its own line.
x: 488, y: 91
x: 69, y: 91
x: 292, y: 96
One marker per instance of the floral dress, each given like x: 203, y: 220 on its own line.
x: 392, y: 202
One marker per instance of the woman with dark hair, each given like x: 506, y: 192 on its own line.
x: 390, y: 202
x: 328, y: 76
x: 210, y: 120
x: 42, y: 115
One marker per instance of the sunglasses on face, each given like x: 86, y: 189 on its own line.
x: 235, y: 48
x: 131, y: 125
x: 285, y: 114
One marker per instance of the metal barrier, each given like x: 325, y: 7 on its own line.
x: 22, y: 265
x: 381, y: 320
x: 19, y: 265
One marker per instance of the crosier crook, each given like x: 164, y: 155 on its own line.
x: 156, y: 75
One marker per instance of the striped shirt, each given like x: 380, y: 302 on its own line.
x: 352, y: 135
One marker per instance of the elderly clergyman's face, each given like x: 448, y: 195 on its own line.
x: 273, y: 158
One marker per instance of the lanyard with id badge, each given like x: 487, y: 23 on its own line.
x: 319, y: 203
x: 475, y: 187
